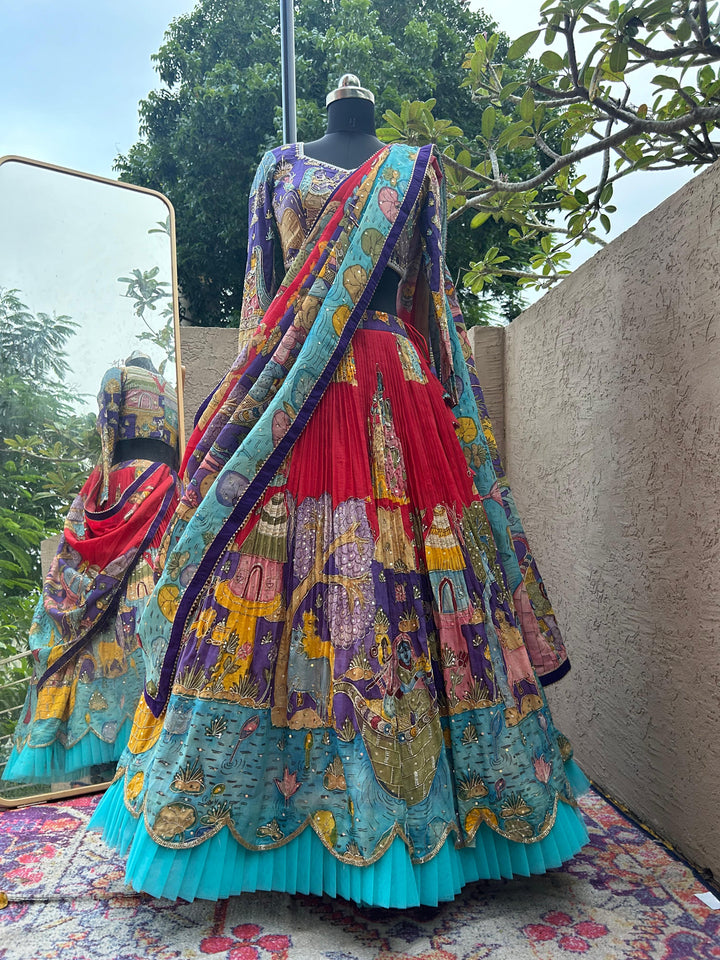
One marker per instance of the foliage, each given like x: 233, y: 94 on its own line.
x: 585, y: 98
x: 47, y: 448
x: 31, y: 344
x: 43, y: 456
x: 149, y: 293
x: 146, y: 290
x: 205, y: 131
x: 44, y: 459
x: 14, y: 628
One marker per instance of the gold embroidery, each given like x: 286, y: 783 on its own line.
x: 346, y: 371
x: 412, y: 371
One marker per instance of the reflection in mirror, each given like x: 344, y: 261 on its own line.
x: 88, y: 316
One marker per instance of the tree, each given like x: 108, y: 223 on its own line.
x: 205, y: 131
x: 45, y: 456
x: 584, y: 94
x: 47, y: 448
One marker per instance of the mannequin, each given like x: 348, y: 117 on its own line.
x: 350, y: 138
x: 341, y: 583
x: 145, y: 448
x: 349, y: 141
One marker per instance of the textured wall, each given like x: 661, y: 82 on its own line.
x: 488, y: 345
x: 48, y: 549
x: 612, y: 418
x: 206, y: 352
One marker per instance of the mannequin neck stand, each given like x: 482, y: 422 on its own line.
x: 350, y: 141
x: 350, y: 138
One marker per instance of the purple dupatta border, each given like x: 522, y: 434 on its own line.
x: 105, y: 514
x: 257, y: 365
x: 547, y: 679
x: 259, y: 483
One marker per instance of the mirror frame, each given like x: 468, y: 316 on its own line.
x: 66, y: 793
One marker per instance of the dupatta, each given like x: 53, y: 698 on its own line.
x: 248, y: 425
x: 121, y: 511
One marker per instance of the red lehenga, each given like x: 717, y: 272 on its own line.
x: 344, y: 648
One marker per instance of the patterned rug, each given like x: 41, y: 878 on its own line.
x: 623, y: 898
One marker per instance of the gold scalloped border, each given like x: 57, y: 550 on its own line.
x: 66, y: 746
x: 352, y: 859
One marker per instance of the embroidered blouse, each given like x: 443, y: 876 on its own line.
x: 134, y: 403
x: 288, y: 193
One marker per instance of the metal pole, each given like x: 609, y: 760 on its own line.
x: 287, y: 58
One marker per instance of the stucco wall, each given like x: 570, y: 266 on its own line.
x: 207, y: 353
x: 612, y: 419
x: 488, y: 345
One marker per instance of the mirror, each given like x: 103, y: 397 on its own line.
x: 87, y: 276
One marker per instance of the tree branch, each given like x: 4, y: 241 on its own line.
x: 672, y: 54
x: 578, y: 93
x: 693, y: 24
x: 548, y: 151
x: 703, y: 16
x: 570, y: 23
x: 465, y: 171
x: 501, y: 186
x: 699, y: 115
x: 605, y: 169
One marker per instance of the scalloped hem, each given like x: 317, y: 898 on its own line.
x: 57, y: 764
x: 221, y: 867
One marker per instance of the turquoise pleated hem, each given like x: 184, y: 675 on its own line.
x: 220, y: 867
x: 58, y: 764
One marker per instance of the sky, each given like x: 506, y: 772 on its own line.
x: 72, y: 75
x: 62, y: 262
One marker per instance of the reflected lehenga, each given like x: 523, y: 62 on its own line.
x: 345, y: 645
x: 88, y: 670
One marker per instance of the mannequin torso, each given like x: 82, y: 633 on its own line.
x: 350, y: 141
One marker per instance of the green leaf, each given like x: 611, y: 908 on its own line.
x: 518, y: 48
x: 618, y: 57
x: 488, y: 122
x: 509, y: 89
x: 479, y: 219
x: 569, y: 203
x: 667, y: 83
x: 526, y: 107
x: 552, y: 60
x: 683, y: 31
x: 510, y: 132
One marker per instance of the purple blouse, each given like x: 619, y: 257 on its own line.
x: 288, y: 193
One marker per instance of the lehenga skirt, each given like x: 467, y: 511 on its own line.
x: 80, y: 718
x: 353, y: 709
